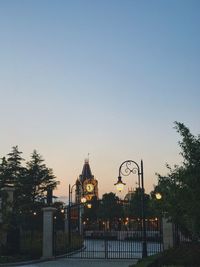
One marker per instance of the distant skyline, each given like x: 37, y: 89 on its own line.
x: 107, y: 78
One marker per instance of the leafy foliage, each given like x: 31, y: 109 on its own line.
x: 134, y: 207
x: 4, y: 173
x: 38, y: 179
x: 30, y: 183
x: 110, y: 207
x: 181, y: 187
x: 92, y: 213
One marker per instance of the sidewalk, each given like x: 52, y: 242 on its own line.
x: 83, y: 263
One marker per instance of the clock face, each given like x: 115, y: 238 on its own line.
x: 89, y: 187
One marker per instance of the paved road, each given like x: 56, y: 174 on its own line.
x: 83, y: 263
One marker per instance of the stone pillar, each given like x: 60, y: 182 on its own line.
x: 47, y: 251
x: 10, y: 192
x: 167, y: 234
x: 7, y: 206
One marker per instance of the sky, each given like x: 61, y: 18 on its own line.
x: 108, y: 78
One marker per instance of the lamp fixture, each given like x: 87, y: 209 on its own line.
x: 119, y: 184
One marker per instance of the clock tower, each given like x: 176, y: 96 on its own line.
x: 86, y: 184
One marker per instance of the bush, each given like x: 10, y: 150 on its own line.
x: 187, y: 254
x: 31, y: 243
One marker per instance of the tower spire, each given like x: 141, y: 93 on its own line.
x: 86, y: 172
x: 87, y: 159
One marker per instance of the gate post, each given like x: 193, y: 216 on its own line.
x: 47, y: 251
x: 9, y: 189
x: 167, y: 234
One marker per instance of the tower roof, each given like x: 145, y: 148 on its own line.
x: 86, y: 172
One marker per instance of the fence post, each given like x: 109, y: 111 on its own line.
x: 66, y: 220
x: 167, y: 234
x: 47, y: 251
x: 80, y: 213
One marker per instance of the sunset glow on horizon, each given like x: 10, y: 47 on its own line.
x: 108, y: 78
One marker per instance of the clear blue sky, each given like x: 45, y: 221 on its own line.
x: 107, y: 78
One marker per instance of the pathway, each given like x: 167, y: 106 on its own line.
x: 83, y: 263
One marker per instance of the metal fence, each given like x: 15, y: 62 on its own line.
x: 22, y: 235
x: 121, y: 238
x: 65, y: 241
x: 180, y: 235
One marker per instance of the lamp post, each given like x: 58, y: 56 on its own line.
x: 131, y: 167
x: 83, y: 202
x: 69, y: 212
x: 70, y: 193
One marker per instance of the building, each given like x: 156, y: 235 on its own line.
x: 86, y: 184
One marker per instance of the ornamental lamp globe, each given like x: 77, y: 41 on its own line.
x: 83, y: 200
x: 119, y: 184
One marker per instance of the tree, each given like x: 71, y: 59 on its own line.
x: 134, y: 205
x: 30, y: 183
x: 15, y: 173
x: 181, y: 187
x: 14, y: 167
x: 39, y: 178
x: 30, y: 186
x: 35, y: 183
x: 4, y: 174
x: 110, y: 208
x: 92, y: 213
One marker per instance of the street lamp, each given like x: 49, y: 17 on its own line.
x: 83, y: 200
x: 120, y: 184
x: 158, y: 196
x: 89, y: 205
x: 69, y: 212
x: 131, y: 167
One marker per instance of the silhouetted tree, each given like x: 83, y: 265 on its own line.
x: 38, y: 178
x: 30, y: 183
x: 15, y: 168
x: 181, y: 186
x: 110, y: 208
x: 133, y: 207
x: 92, y: 213
x: 4, y: 174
